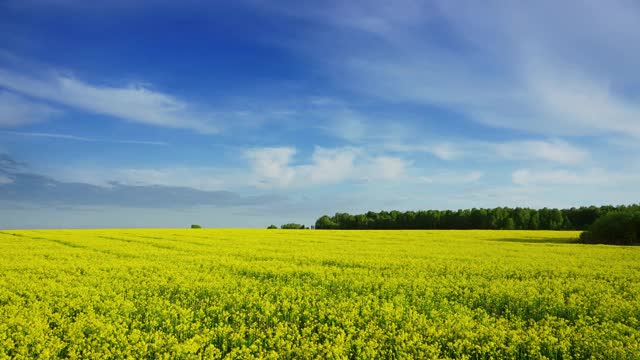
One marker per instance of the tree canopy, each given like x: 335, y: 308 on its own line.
x: 617, y: 227
x: 500, y: 218
x: 292, y: 226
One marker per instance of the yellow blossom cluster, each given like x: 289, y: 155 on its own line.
x: 323, y: 294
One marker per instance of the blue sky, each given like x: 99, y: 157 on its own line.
x: 246, y: 113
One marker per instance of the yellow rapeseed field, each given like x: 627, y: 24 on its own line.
x: 304, y: 294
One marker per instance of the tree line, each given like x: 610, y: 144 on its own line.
x: 500, y: 218
x: 289, y: 226
x: 617, y: 228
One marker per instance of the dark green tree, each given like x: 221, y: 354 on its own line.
x: 292, y: 226
x: 616, y: 227
x: 496, y: 218
x: 325, y: 222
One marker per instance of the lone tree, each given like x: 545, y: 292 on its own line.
x: 196, y: 226
x: 272, y: 227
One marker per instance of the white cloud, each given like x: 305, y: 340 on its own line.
x: 4, y: 179
x: 388, y: 168
x: 272, y: 167
x: 16, y: 110
x: 593, y: 176
x: 449, y: 178
x: 446, y: 151
x: 554, y: 151
x: 329, y: 165
x: 134, y: 102
x: 473, y: 176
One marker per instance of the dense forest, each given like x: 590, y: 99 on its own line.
x: 501, y: 218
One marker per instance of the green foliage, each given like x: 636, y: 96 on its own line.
x: 196, y: 226
x: 259, y: 294
x: 292, y: 226
x: 272, y: 227
x: 619, y: 228
x: 326, y: 222
x: 500, y: 218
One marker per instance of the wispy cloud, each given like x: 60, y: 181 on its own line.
x: 143, y: 189
x: 554, y: 151
x: 449, y: 177
x: 7, y: 163
x: 44, y: 191
x: 5, y: 179
x: 595, y: 176
x: 441, y: 150
x: 81, y: 138
x: 566, y: 71
x: 17, y: 110
x: 388, y: 168
x: 132, y: 102
x: 204, y: 178
x: 354, y: 124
